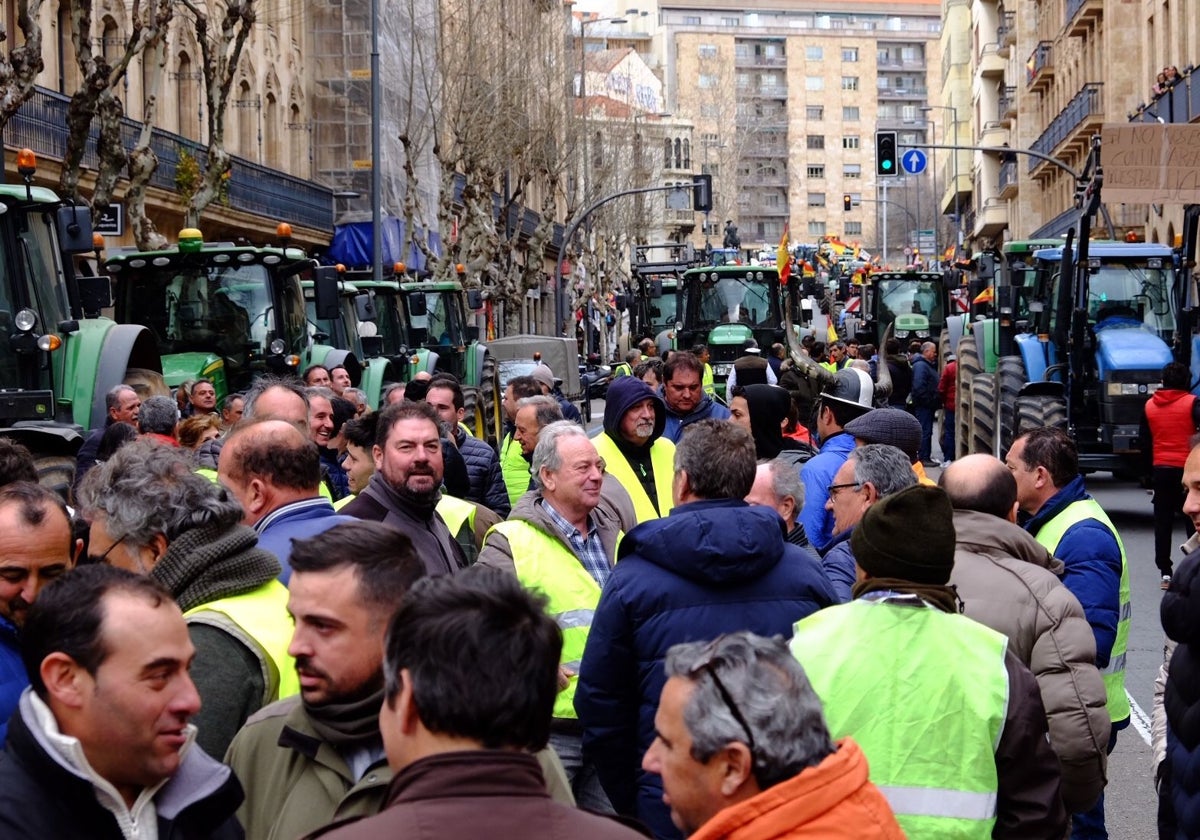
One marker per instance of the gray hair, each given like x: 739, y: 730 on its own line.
x: 266, y: 383
x: 548, y: 409
x: 885, y: 467
x: 785, y: 481
x: 545, y: 454
x: 112, y: 399
x: 319, y: 391
x: 158, y: 415
x: 146, y: 489
x: 354, y: 395
x: 770, y: 689
x: 718, y: 457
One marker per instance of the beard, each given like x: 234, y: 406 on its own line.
x: 643, y: 430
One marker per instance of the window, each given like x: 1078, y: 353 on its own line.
x: 849, y: 53
x: 772, y: 200
x: 814, y: 83
x: 731, y: 21
x: 850, y: 113
x: 849, y: 82
x: 850, y: 141
x: 816, y: 113
x: 691, y: 20
x: 814, y: 53
x: 853, y: 228
x: 816, y: 141
x: 816, y: 171
x: 851, y: 170
x: 816, y: 199
x: 816, y: 228
x: 707, y: 50
x: 707, y: 81
x: 711, y: 110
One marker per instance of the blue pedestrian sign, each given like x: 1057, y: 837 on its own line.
x: 913, y: 161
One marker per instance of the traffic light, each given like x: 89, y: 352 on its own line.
x: 846, y: 203
x: 702, y: 193
x: 886, y: 161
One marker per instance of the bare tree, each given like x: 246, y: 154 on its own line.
x: 142, y: 159
x: 95, y: 96
x: 220, y: 53
x: 19, y: 69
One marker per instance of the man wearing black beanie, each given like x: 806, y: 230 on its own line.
x: 951, y: 722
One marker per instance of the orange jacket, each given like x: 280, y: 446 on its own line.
x: 832, y: 801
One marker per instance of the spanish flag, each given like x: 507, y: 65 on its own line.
x: 832, y: 333
x: 783, y: 260
x: 986, y: 296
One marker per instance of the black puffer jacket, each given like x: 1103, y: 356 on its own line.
x: 1179, y: 783
x: 483, y: 470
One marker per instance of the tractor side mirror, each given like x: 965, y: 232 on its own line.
x: 74, y: 228
x: 325, y: 290
x: 474, y: 299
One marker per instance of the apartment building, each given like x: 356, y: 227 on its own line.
x: 786, y: 101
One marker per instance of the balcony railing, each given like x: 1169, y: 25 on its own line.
x: 41, y: 124
x: 1088, y: 102
x: 1006, y: 32
x: 1008, y: 178
x: 1041, y: 59
x: 1006, y: 104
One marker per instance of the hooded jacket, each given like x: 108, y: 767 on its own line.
x: 709, y: 567
x: 633, y: 465
x: 1170, y: 420
x: 769, y: 406
x: 1009, y: 582
x: 706, y: 409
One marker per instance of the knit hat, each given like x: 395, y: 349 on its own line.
x: 542, y: 375
x: 908, y: 535
x: 893, y: 426
x: 624, y: 393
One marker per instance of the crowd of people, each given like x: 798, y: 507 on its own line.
x: 702, y: 620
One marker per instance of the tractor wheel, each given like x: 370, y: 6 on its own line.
x: 1010, y: 378
x: 968, y: 366
x: 943, y: 349
x: 473, y: 413
x: 983, y: 413
x: 56, y: 472
x: 489, y: 398
x: 1036, y: 412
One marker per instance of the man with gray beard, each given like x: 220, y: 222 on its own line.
x: 634, y: 451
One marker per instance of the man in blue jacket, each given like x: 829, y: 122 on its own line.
x: 683, y: 392
x: 1073, y: 527
x: 713, y: 565
x: 925, y: 398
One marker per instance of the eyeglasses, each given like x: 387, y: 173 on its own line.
x: 834, y: 488
x: 706, y: 665
x: 104, y: 557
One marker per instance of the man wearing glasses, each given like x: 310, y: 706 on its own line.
x: 743, y: 750
x: 951, y: 722
x: 713, y: 565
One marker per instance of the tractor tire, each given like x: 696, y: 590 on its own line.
x: 1037, y: 412
x: 968, y: 367
x: 983, y: 413
x: 490, y: 402
x: 943, y: 349
x: 473, y: 413
x: 1010, y: 378
x: 56, y: 472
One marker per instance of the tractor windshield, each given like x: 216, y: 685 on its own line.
x: 911, y: 297
x: 435, y: 317
x: 731, y: 299
x: 38, y: 268
x: 664, y: 310
x: 1131, y: 291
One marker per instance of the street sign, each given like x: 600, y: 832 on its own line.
x: 111, y: 221
x: 913, y: 161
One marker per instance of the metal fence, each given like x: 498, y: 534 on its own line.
x: 1088, y: 102
x: 41, y: 125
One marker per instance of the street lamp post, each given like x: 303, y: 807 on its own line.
x: 958, y: 233
x: 708, y: 143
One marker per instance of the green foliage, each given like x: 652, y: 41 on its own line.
x: 188, y: 178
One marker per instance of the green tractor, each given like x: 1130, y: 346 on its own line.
x: 58, y: 358
x: 223, y: 311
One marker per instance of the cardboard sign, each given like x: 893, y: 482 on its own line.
x: 1150, y: 163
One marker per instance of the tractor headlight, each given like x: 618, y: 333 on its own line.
x: 25, y: 320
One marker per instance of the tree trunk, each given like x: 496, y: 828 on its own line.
x: 20, y: 70
x: 142, y: 160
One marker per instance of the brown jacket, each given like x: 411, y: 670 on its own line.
x: 1009, y: 582
x: 495, y: 794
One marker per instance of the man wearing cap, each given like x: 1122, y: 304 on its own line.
x: 951, y: 722
x: 895, y: 427
x: 750, y: 368
x: 683, y: 393
x: 544, y: 376
x: 633, y: 448
x: 850, y: 397
x: 870, y: 473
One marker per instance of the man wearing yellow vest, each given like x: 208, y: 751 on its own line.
x: 560, y: 541
x: 633, y: 448
x: 1074, y: 528
x: 951, y: 722
x: 151, y: 514
x: 512, y: 461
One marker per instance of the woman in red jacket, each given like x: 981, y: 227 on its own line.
x: 1171, y: 418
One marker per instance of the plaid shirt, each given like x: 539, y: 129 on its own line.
x: 589, y: 550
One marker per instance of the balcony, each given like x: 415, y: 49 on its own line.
x: 1006, y: 33
x: 915, y: 94
x: 990, y: 62
x: 41, y: 124
x: 991, y: 219
x: 1082, y: 117
x: 1083, y: 16
x: 994, y: 133
x: 740, y: 60
x: 1039, y: 69
x: 1006, y: 106
x: 1008, y: 180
